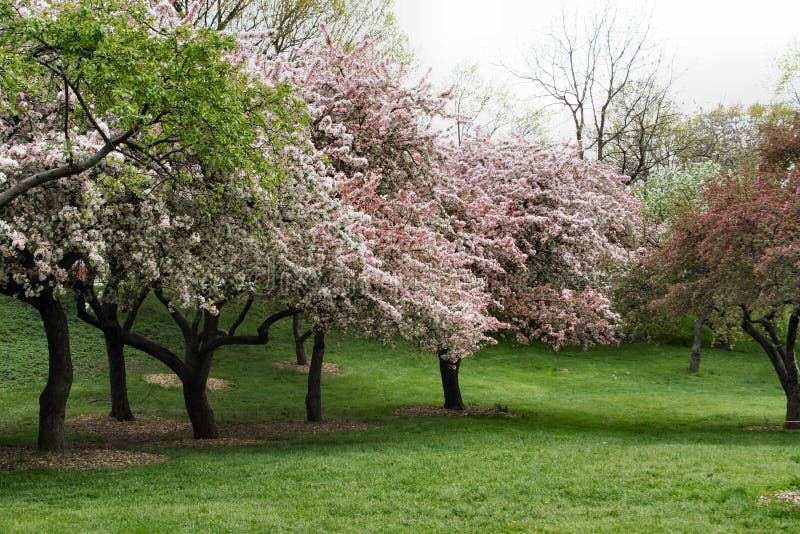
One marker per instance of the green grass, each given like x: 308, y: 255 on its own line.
x: 626, y: 440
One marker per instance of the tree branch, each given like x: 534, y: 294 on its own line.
x: 163, y: 354
x: 261, y: 338
x: 131, y: 318
x: 177, y: 316
x: 64, y: 171
x: 239, y: 320
x: 777, y: 362
x: 83, y: 314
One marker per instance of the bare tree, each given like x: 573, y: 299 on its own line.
x: 295, y: 23
x: 488, y: 109
x: 216, y: 14
x: 643, y: 130
x: 586, y: 64
x: 789, y: 83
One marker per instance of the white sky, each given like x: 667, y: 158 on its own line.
x: 721, y: 51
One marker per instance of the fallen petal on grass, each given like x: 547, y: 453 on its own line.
x: 327, y: 368
x: 765, y: 428
x: 169, y: 381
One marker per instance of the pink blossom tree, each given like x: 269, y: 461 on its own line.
x: 522, y: 231
x: 291, y: 244
x: 41, y: 243
x: 741, y: 254
x: 550, y: 227
x: 386, y: 156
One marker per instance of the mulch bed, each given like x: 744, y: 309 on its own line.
x: 143, y: 429
x: 146, y: 431
x: 153, y: 432
x: 276, y: 428
x: 327, y: 368
x: 170, y: 381
x: 438, y: 411
x: 157, y: 431
x: 78, y: 457
x: 192, y: 443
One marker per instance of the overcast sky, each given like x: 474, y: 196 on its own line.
x: 721, y: 51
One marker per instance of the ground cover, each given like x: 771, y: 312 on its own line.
x: 613, y: 439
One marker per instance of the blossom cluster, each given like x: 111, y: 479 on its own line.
x: 365, y: 217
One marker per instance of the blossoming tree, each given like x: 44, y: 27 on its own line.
x: 84, y: 80
x: 552, y: 224
x: 741, y: 253
x: 386, y: 157
x: 508, y: 228
x: 108, y: 95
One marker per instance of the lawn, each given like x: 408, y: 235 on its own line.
x: 611, y: 439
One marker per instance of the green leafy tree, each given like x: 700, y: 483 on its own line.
x: 789, y: 84
x: 728, y: 135
x: 667, y: 193
x: 105, y: 94
x: 82, y: 80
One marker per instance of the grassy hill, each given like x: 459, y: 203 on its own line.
x: 612, y: 439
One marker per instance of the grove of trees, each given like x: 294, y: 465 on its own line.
x: 267, y: 160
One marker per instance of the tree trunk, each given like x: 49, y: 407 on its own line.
x: 299, y: 340
x: 53, y: 400
x: 115, y: 348
x: 195, y: 391
x: 694, y: 363
x: 452, y: 392
x: 783, y: 359
x: 314, y: 394
x: 792, y: 409
x: 200, y: 413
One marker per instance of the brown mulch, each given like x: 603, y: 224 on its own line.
x: 219, y: 442
x: 143, y: 429
x: 244, y: 433
x: 327, y: 368
x: 770, y: 428
x: 146, y: 431
x: 79, y: 457
x: 157, y: 431
x: 276, y: 428
x: 169, y: 381
x: 438, y: 411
